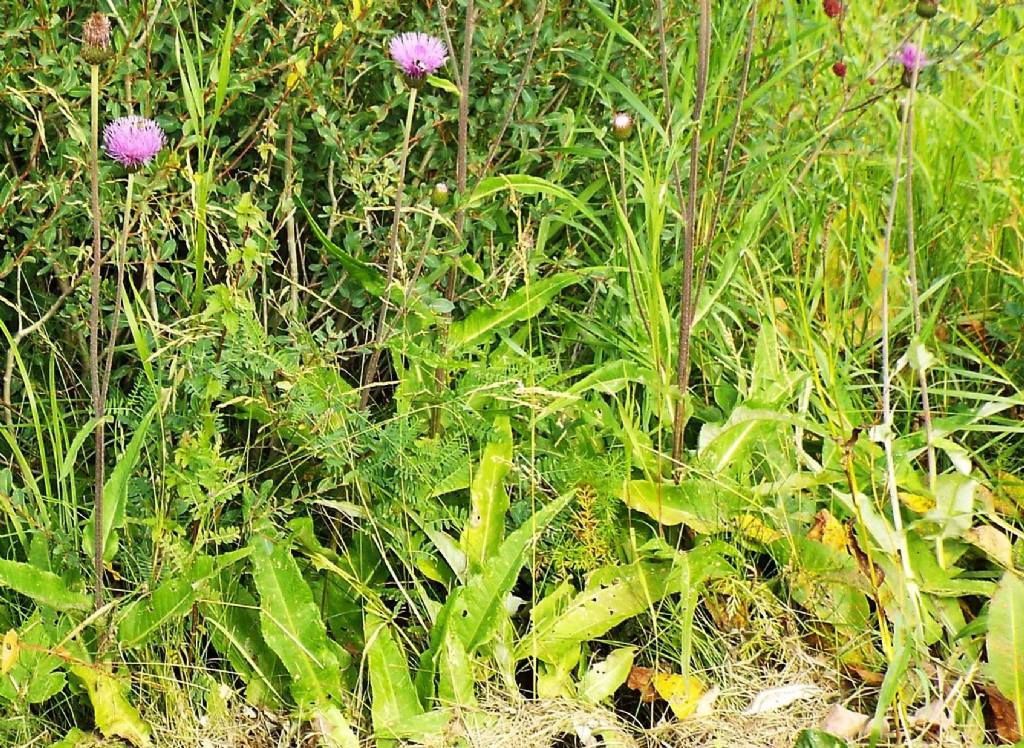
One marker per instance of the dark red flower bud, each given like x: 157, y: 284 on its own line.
x: 832, y: 8
x: 839, y: 68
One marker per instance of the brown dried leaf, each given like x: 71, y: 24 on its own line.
x: 1004, y: 719
x: 873, y: 572
x: 845, y: 723
x: 642, y: 679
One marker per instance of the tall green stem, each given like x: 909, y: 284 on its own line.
x: 121, y: 261
x: 94, y: 336
x: 371, y: 367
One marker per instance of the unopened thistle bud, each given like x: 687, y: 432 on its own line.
x: 96, y: 39
x: 439, y: 195
x: 832, y: 8
x: 622, y: 126
x: 927, y: 8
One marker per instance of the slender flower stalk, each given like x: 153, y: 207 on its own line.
x: 94, y: 334
x: 887, y: 428
x: 417, y: 55
x: 690, y: 236
x: 461, y: 158
x: 915, y: 295
x: 374, y: 363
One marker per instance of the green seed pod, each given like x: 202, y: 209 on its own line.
x: 927, y: 8
x: 439, y: 195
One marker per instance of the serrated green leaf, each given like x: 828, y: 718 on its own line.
x: 700, y: 504
x: 477, y: 611
x: 616, y: 596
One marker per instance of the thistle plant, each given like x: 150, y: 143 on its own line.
x: 133, y: 142
x: 417, y: 55
x: 96, y: 49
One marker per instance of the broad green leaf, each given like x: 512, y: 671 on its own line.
x: 30, y: 674
x: 527, y: 302
x: 172, y: 599
x: 115, y: 491
x: 334, y: 728
x: 700, y: 504
x: 395, y: 707
x: 615, y: 596
x: 608, y: 379
x: 113, y: 713
x: 232, y: 617
x: 291, y: 625
x: 1005, y: 640
x: 527, y: 185
x: 488, y: 498
x: 604, y: 677
x: 143, y: 618
x: 456, y: 684
x: 45, y: 587
x: 477, y: 611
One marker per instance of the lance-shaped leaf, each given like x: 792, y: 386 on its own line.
x: 477, y: 611
x: 114, y: 715
x: 527, y: 302
x: 1005, y: 640
x: 488, y: 498
x: 45, y: 587
x: 614, y: 596
x: 292, y: 626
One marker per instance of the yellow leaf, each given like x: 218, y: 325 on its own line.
x: 915, y: 502
x: 339, y: 27
x: 682, y: 693
x: 757, y: 530
x: 300, y: 65
x: 292, y: 79
x: 357, y: 9
x: 828, y: 531
x: 9, y: 652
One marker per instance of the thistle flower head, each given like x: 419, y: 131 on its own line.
x: 133, y: 141
x: 911, y: 57
x: 96, y: 39
x: 418, y: 54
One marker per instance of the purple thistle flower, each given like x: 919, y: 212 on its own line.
x: 418, y: 54
x: 911, y: 57
x: 133, y: 141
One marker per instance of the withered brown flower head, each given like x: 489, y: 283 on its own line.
x: 96, y: 39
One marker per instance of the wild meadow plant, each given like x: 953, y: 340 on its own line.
x: 417, y: 55
x: 636, y: 469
